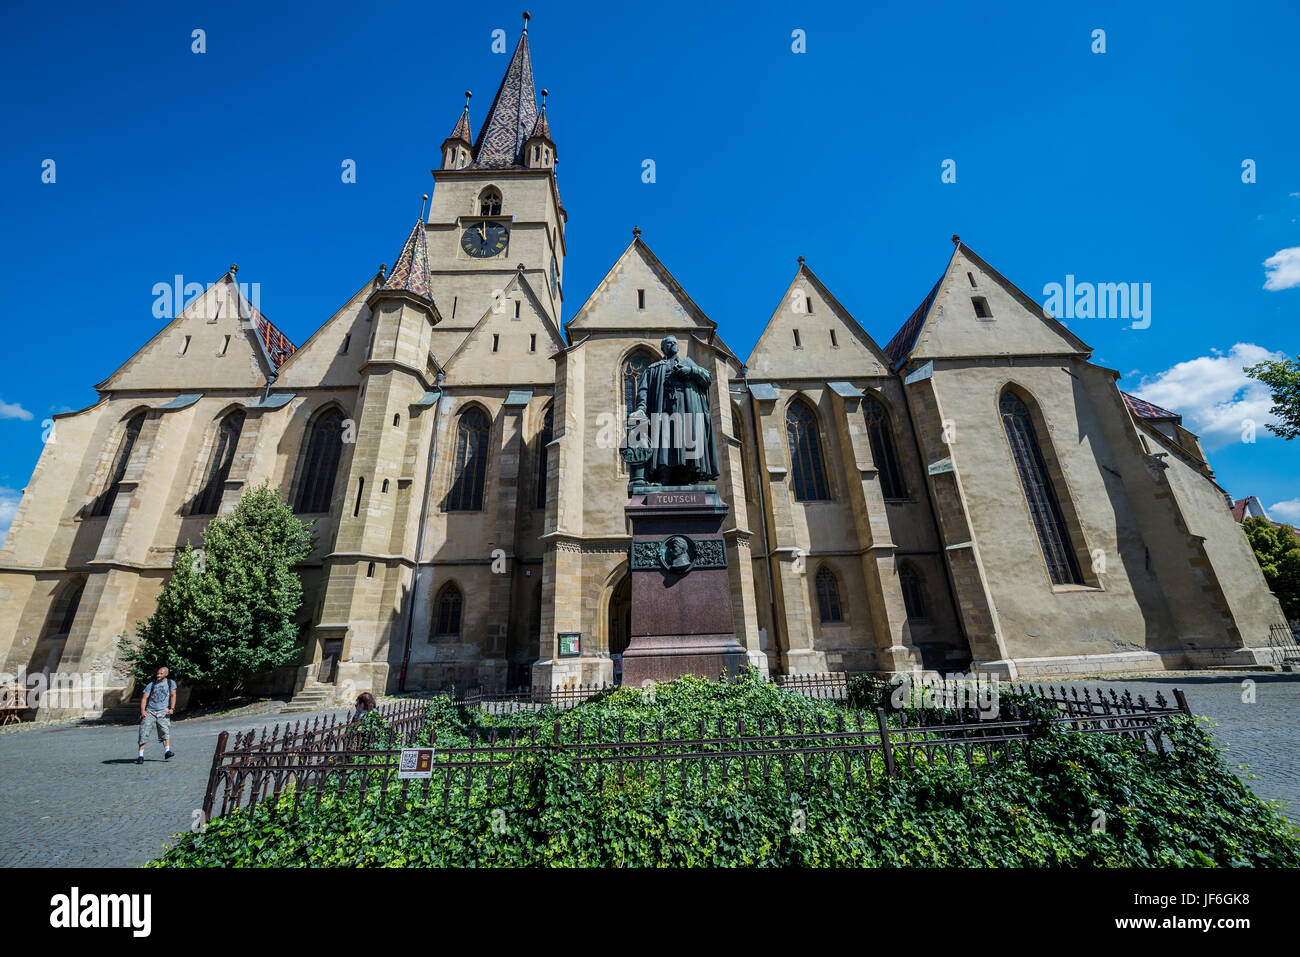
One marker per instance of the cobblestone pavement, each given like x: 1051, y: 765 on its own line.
x: 73, y: 795
x: 1263, y: 735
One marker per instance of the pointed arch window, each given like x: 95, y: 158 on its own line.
x: 446, y: 612
x: 913, y: 586
x: 320, y: 463
x: 489, y: 202
x: 737, y: 427
x: 220, y: 459
x: 470, y: 465
x: 543, y: 440
x: 807, y: 472
x: 104, y: 504
x: 634, y: 367
x: 881, y: 436
x: 1040, y: 494
x: 63, y: 611
x: 828, y: 596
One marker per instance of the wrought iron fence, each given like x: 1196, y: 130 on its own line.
x: 848, y: 750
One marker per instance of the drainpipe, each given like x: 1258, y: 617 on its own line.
x: 762, y: 506
x: 419, y: 535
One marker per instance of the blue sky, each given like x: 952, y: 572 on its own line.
x: 1122, y: 166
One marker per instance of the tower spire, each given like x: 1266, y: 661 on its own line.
x: 411, y: 271
x: 513, y: 115
x: 457, y: 148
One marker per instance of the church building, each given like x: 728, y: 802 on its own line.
x: 974, y: 494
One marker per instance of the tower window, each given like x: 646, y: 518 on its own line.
x: 518, y: 303
x: 981, y: 308
x: 454, y: 300
x: 828, y: 596
x: 370, y: 570
x: 797, y: 343
x: 384, y: 488
x: 320, y: 463
x: 532, y: 342
x: 640, y: 298
x: 1040, y: 492
x: 834, y: 343
x: 881, y: 438
x: 496, y: 341
x: 356, y: 509
x: 397, y: 419
x: 489, y: 202
x: 807, y: 473
x: 470, y: 465
x: 446, y: 619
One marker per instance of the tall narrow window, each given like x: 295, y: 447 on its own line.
x: 496, y: 341
x: 63, y: 612
x: 909, y: 579
x: 737, y: 426
x: 489, y: 202
x: 1044, y: 506
x: 361, y: 487
x: 347, y: 341
x: 543, y: 441
x: 532, y: 342
x: 208, y: 499
x: 446, y: 612
x: 828, y: 596
x: 104, y: 504
x: 640, y: 298
x: 470, y: 465
x: 320, y: 463
x: 808, y: 476
x: 797, y: 344
x: 835, y: 344
x: 633, y: 369
x: 881, y: 436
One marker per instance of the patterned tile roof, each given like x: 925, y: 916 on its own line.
x: 543, y: 126
x: 462, y: 130
x: 411, y: 271
x: 1147, y: 410
x: 903, y: 341
x: 512, y: 117
x: 278, y: 346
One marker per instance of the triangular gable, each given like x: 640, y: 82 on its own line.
x: 209, y: 360
x: 615, y: 305
x: 831, y: 343
x: 947, y: 324
x: 475, y: 363
x: 321, y: 360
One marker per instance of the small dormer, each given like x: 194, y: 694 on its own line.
x: 457, y: 150
x: 539, y: 148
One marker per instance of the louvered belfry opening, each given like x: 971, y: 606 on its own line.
x: 881, y: 436
x: 470, y: 465
x: 320, y: 463
x: 808, y: 475
x: 1035, y: 479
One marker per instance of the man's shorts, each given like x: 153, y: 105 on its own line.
x: 155, y: 719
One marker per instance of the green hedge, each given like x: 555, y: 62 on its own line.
x: 1184, y: 808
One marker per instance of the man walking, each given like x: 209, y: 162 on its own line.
x: 156, y: 707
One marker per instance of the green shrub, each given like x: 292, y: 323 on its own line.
x: 1180, y: 809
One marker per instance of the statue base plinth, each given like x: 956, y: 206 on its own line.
x: 681, y: 590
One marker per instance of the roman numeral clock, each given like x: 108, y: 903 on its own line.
x: 485, y: 240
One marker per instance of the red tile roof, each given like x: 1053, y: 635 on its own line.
x: 1147, y: 410
x: 905, y: 338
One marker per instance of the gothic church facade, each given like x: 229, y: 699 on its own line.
x: 974, y: 494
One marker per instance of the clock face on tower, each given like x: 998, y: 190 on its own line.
x: 485, y: 240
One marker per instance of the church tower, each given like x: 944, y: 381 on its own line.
x: 496, y: 207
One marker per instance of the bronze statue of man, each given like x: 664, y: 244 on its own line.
x: 672, y: 402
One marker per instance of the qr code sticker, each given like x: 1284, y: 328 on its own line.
x: 410, y: 760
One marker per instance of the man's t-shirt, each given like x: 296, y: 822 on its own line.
x: 158, y: 695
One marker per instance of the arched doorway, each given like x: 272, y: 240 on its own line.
x: 620, y: 621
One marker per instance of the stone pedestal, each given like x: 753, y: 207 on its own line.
x: 681, y: 593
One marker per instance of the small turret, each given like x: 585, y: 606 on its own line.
x: 539, y: 148
x: 457, y: 149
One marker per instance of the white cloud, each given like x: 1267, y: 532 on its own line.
x: 8, y: 506
x: 1282, y: 269
x: 13, y: 410
x: 1213, y: 395
x: 1288, y: 511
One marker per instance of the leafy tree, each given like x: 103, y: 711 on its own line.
x: 1283, y: 379
x: 228, y: 610
x: 1278, y: 551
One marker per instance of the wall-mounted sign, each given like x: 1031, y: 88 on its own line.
x: 570, y: 643
x: 416, y: 763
